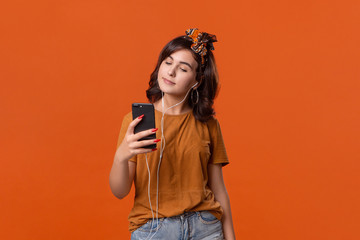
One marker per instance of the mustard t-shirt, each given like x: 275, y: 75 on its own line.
x: 190, y: 146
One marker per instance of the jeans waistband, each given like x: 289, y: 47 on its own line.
x: 185, y: 215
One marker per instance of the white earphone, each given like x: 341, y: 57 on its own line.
x: 161, y: 155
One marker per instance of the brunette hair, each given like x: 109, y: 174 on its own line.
x: 206, y: 75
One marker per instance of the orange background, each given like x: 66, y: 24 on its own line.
x: 289, y: 108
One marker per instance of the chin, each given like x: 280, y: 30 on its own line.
x: 165, y: 88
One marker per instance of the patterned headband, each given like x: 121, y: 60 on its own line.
x: 200, y: 42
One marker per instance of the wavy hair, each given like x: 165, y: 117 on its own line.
x: 206, y: 75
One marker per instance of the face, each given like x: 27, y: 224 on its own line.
x: 177, y: 73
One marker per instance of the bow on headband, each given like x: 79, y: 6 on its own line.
x: 200, y: 41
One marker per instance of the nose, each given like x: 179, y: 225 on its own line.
x: 171, y: 71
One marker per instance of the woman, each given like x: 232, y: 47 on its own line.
x: 181, y: 183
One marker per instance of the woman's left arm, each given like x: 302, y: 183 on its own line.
x: 217, y: 185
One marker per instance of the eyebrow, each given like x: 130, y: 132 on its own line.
x: 182, y: 62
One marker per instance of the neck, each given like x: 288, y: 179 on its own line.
x: 171, y: 100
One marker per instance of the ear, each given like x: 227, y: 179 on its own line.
x: 199, y: 82
x: 196, y: 85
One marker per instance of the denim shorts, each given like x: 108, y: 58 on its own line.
x: 190, y: 225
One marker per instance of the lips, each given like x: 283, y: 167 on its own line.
x: 167, y: 81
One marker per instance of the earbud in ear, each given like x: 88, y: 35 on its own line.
x: 195, y: 84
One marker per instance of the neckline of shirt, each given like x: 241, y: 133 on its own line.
x: 175, y: 115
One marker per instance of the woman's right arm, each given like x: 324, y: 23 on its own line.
x: 123, y: 171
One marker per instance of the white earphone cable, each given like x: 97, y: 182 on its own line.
x: 152, y: 212
x: 162, y: 147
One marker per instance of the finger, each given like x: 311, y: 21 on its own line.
x: 143, y: 143
x: 145, y: 133
x: 144, y: 150
x: 133, y: 124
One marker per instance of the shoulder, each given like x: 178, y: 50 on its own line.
x: 124, y: 126
x: 212, y: 123
x: 128, y: 116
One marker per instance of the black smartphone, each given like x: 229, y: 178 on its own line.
x: 148, y: 121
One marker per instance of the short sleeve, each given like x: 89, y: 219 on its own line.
x: 217, y: 146
x: 124, y: 126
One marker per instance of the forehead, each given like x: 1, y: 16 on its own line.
x: 184, y: 55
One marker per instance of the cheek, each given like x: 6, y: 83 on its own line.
x: 189, y: 80
x: 161, y: 71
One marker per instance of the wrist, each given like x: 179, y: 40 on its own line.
x: 123, y: 154
x: 121, y: 157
